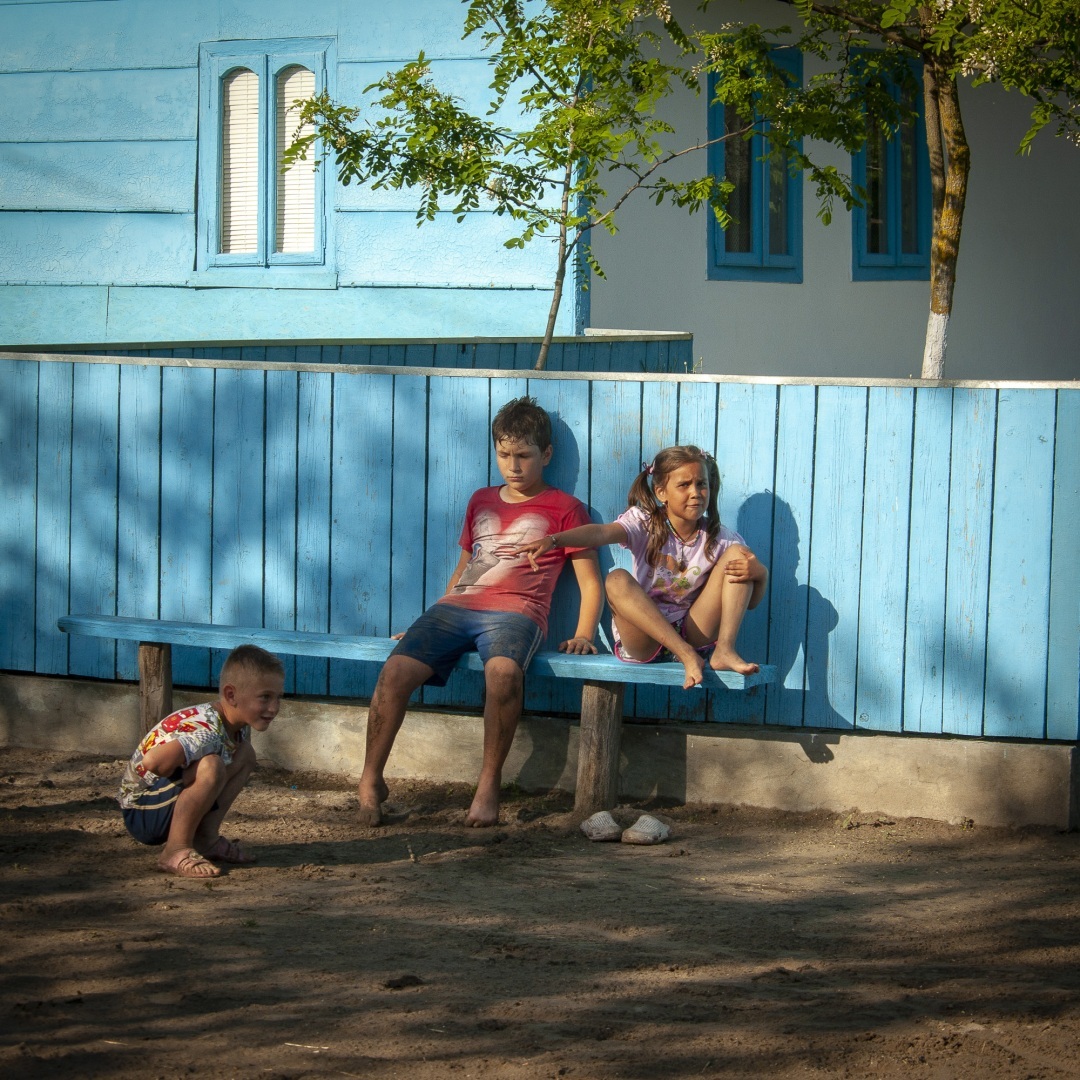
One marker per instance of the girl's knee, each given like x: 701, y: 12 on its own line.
x: 618, y: 582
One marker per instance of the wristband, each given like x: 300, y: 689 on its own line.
x: 554, y: 543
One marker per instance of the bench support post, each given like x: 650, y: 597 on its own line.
x: 155, y: 682
x: 598, y: 747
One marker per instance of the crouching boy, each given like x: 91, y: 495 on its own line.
x: 189, y: 768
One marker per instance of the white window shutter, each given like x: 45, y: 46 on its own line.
x: 240, y: 163
x: 295, y: 212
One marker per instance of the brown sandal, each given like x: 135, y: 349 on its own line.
x: 187, y: 862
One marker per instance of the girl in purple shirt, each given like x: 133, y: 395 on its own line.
x: 693, y: 579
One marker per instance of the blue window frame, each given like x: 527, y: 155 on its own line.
x: 252, y: 219
x: 891, y: 233
x: 764, y: 240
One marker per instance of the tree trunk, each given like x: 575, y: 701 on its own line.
x: 950, y: 163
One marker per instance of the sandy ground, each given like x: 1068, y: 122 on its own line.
x: 750, y: 944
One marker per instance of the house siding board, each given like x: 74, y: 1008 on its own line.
x: 100, y: 177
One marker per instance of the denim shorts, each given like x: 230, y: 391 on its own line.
x: 150, y: 821
x: 445, y: 632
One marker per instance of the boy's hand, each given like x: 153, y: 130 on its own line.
x: 746, y: 568
x: 581, y: 646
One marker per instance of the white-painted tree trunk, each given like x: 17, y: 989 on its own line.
x: 933, y: 361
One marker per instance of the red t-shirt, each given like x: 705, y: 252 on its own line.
x: 497, y: 580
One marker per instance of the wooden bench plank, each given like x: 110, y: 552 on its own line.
x: 604, y: 677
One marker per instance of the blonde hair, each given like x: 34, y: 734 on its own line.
x: 248, y: 660
x: 643, y: 495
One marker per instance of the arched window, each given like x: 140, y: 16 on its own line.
x: 251, y: 214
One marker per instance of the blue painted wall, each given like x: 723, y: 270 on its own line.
x: 100, y: 110
x: 923, y: 540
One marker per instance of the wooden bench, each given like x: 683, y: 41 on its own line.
x: 605, y: 678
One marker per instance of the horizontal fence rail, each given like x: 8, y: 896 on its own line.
x: 923, y: 541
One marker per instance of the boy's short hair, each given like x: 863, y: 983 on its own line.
x: 522, y: 419
x: 249, y: 660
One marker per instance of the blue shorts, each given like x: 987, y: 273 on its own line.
x: 445, y: 632
x: 150, y: 821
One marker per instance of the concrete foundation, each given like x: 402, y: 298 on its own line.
x: 990, y: 782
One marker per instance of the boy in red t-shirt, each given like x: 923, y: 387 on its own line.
x: 495, y: 604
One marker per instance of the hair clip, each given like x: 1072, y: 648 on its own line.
x: 646, y: 467
x: 706, y: 455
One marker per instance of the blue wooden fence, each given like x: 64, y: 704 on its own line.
x: 923, y: 540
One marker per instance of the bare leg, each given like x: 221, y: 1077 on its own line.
x: 505, y: 683
x: 642, y: 628
x: 204, y: 782
x: 400, y: 676
x: 236, y: 776
x: 716, y: 615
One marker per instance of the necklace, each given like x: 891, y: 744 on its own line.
x: 683, y: 544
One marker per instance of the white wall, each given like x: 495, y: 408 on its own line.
x: 1016, y: 312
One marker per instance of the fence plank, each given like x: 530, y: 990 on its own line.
x: 187, y: 411
x: 1063, y: 658
x: 52, y: 577
x: 789, y: 591
x: 360, y: 498
x: 968, y: 553
x: 883, y: 579
x: 315, y: 409
x: 1018, y: 610
x: 924, y: 648
x: 139, y: 553
x: 835, y: 553
x: 96, y: 388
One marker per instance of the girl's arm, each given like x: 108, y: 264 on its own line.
x: 749, y: 568
x: 584, y: 536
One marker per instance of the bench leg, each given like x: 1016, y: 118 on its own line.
x: 598, y: 747
x: 155, y: 682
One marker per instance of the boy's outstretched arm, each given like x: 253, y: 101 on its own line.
x: 587, y: 572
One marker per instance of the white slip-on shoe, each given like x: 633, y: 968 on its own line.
x: 646, y: 830
x: 601, y: 826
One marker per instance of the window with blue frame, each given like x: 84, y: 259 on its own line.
x: 891, y: 230
x: 763, y: 242
x: 252, y: 216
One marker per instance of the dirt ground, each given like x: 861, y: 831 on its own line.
x: 750, y: 944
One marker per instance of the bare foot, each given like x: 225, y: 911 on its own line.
x: 371, y: 798
x: 484, y: 811
x: 695, y: 668
x: 730, y: 660
x: 186, y: 862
